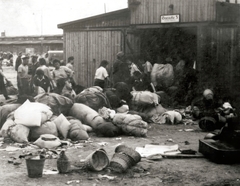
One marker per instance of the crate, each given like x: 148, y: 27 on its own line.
x: 219, y: 152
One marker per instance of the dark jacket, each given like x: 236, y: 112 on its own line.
x: 18, y: 62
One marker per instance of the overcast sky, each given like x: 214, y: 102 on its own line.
x: 40, y: 17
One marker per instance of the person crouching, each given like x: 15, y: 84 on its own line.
x: 41, y: 82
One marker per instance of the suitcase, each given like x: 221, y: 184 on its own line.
x: 219, y: 152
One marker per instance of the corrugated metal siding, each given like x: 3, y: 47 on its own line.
x: 89, y: 49
x: 149, y: 11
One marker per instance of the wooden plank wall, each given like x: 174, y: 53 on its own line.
x: 218, y: 58
x: 149, y: 11
x: 132, y: 48
x: 89, y: 48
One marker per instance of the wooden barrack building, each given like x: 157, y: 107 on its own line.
x: 206, y: 31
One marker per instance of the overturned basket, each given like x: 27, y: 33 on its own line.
x: 120, y: 162
x: 96, y: 161
x: 134, y: 155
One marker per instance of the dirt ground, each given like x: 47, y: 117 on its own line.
x: 194, y: 171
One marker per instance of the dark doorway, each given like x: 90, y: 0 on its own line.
x: 158, y: 44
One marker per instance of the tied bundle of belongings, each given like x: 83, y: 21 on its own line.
x: 28, y: 115
x: 131, y: 124
x: 162, y: 75
x: 58, y: 103
x: 145, y: 98
x: 93, y: 97
x: 90, y: 117
x: 106, y: 113
x: 169, y: 117
x: 48, y: 141
x: 77, y: 130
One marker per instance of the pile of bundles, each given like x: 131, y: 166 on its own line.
x: 52, y: 116
x: 31, y: 120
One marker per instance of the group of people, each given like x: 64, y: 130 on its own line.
x: 35, y: 76
x: 135, y: 75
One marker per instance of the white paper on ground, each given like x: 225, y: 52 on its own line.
x: 149, y: 150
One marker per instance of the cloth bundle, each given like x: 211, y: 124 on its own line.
x: 93, y: 97
x: 90, y: 117
x: 131, y: 124
x: 162, y: 75
x: 169, y: 117
x: 58, y: 103
x: 145, y: 98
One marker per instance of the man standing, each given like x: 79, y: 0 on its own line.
x: 70, y: 66
x: 18, y: 61
x: 23, y: 76
x: 121, y: 71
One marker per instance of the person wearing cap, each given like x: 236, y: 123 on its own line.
x: 2, y: 84
x: 40, y: 80
x: 61, y: 72
x: 23, y: 76
x: 33, y: 65
x: 121, y: 72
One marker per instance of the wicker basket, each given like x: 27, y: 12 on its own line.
x: 130, y: 152
x: 120, y: 162
x: 97, y: 160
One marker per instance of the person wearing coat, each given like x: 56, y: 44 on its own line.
x: 121, y: 71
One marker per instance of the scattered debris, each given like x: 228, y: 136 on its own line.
x: 106, y: 176
x: 72, y: 181
x: 103, y: 144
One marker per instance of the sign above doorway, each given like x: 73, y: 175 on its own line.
x: 175, y: 18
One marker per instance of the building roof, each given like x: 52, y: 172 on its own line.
x: 109, y: 16
x: 30, y: 42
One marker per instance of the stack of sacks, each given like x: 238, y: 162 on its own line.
x: 93, y: 97
x: 169, y: 117
x: 90, y: 117
x: 28, y: 115
x: 58, y: 103
x: 131, y: 124
x: 32, y: 114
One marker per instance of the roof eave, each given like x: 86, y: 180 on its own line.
x: 62, y: 25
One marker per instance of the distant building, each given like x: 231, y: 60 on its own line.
x: 31, y: 44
